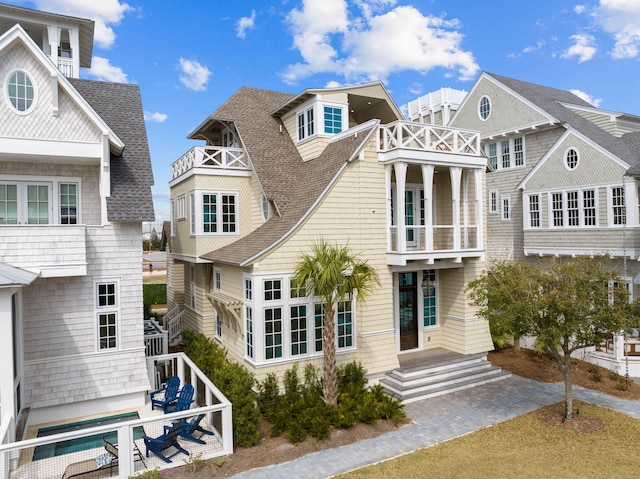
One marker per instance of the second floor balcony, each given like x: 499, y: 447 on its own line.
x: 208, y: 159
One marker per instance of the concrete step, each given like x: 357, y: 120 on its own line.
x: 413, y: 382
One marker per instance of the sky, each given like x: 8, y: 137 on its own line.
x: 189, y: 56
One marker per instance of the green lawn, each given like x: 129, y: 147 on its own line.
x: 528, y: 447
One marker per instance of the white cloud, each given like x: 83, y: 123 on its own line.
x: 588, y: 98
x: 104, y: 13
x: 101, y: 69
x: 583, y: 48
x: 194, y: 75
x: 620, y: 18
x: 246, y: 23
x: 155, y: 117
x: 373, y: 45
x: 529, y: 49
x: 580, y: 9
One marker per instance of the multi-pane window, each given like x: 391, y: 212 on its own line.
x: 493, y: 155
x: 306, y: 126
x: 534, y: 211
x: 107, y: 314
x: 248, y: 313
x: 273, y: 333
x: 589, y: 207
x: 248, y: 289
x: 181, y: 208
x: 345, y: 325
x: 318, y: 325
x: 295, y: 292
x: 506, y: 208
x: 272, y: 290
x: 192, y: 219
x: 557, y: 209
x: 20, y: 91
x: 518, y: 151
x: 68, y: 203
x: 573, y: 209
x: 8, y: 204
x: 332, y: 119
x: 619, y: 210
x: 218, y: 325
x: 429, y: 295
x: 506, y: 154
x: 209, y: 213
x: 571, y: 159
x: 217, y: 279
x: 37, y: 204
x: 298, y: 330
x: 493, y: 201
x: 484, y: 107
x: 218, y: 213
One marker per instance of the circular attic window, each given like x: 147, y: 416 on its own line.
x: 484, y: 108
x: 571, y: 159
x: 20, y: 91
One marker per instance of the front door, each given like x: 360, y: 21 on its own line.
x: 408, y: 314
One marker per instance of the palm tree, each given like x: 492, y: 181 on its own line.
x: 333, y: 274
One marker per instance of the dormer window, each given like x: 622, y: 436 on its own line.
x: 321, y: 119
x: 305, y: 124
x: 332, y: 120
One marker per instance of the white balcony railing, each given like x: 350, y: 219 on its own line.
x: 442, y: 237
x: 418, y: 136
x: 216, y: 157
x: 17, y: 460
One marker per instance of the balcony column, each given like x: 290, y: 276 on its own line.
x: 465, y: 208
x: 427, y: 186
x: 455, y: 173
x: 54, y: 40
x: 387, y: 174
x: 477, y: 177
x: 401, y: 187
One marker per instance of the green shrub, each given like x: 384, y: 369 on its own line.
x: 232, y: 379
x: 268, y: 394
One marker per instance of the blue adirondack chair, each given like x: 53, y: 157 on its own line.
x: 167, y: 395
x: 192, y: 427
x: 185, y: 398
x: 158, y: 445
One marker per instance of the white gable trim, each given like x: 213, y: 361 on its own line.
x: 17, y: 35
x: 486, y: 76
x: 570, y: 132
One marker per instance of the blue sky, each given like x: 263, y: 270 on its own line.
x: 189, y: 56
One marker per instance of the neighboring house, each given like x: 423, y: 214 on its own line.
x: 75, y: 187
x: 279, y: 172
x: 562, y: 180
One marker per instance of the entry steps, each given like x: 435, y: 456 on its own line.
x: 428, y: 378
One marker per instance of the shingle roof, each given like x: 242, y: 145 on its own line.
x: 293, y: 184
x: 551, y: 101
x: 120, y: 106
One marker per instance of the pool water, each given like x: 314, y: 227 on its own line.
x: 83, y: 443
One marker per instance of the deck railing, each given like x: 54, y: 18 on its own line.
x: 19, y: 460
x: 419, y: 136
x: 215, y: 157
x: 173, y: 322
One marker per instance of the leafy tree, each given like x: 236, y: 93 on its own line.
x: 567, y: 304
x: 505, y: 297
x: 332, y: 274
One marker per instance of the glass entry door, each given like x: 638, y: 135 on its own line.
x: 408, y: 310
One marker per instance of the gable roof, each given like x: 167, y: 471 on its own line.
x: 553, y: 101
x: 293, y: 184
x: 120, y: 106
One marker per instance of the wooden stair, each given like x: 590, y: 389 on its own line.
x: 438, y: 372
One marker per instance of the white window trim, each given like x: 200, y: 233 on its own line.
x: 216, y: 279
x: 581, y: 209
x: 610, y: 215
x: 54, y: 193
x: 505, y: 200
x: 479, y: 111
x: 493, y: 195
x: 512, y: 153
x: 259, y: 305
x: 5, y: 87
x: 317, y: 105
x: 181, y: 211
x: 565, y: 158
x: 527, y: 205
x: 97, y: 310
x: 197, y: 223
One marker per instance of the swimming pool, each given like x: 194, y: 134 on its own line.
x: 83, y: 443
